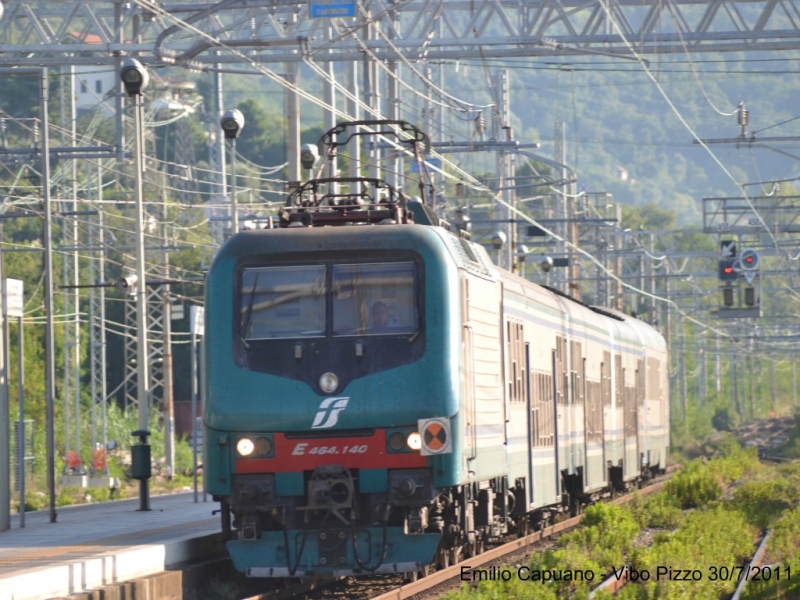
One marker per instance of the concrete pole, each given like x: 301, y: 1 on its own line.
x: 5, y: 424
x: 65, y: 267
x: 119, y: 96
x: 392, y: 111
x: 143, y: 378
x: 219, y: 144
x: 21, y: 441
x: 329, y: 115
x: 194, y: 408
x: 772, y: 389
x: 619, y: 262
x: 735, y: 378
x: 717, y: 367
x: 169, y: 419
x: 684, y: 383
x: 75, y: 292
x: 202, y: 369
x: 562, y: 212
x: 651, y: 274
x: 750, y: 382
x: 50, y: 373
x: 354, y: 109
x: 371, y: 100
x: 292, y: 128
x: 234, y: 200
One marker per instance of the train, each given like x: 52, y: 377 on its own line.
x: 379, y: 397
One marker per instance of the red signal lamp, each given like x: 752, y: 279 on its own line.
x: 749, y: 260
x: 727, y: 270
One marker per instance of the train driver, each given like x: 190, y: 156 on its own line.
x: 380, y: 317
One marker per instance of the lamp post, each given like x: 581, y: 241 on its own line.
x: 135, y: 79
x: 232, y: 122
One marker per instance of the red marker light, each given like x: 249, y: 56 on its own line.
x: 728, y: 270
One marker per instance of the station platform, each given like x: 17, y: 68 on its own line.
x: 95, y: 545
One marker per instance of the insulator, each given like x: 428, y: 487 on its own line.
x: 480, y: 123
x: 744, y: 115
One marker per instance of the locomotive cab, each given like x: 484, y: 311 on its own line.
x: 334, y: 352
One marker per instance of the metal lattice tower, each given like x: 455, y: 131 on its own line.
x: 156, y: 299
x: 66, y: 177
x: 97, y: 332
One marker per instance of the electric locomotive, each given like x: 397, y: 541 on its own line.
x: 380, y: 397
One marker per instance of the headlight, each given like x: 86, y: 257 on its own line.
x: 328, y: 382
x: 245, y: 447
x: 414, y: 440
x: 397, y: 441
x: 263, y: 446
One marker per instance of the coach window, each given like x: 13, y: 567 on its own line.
x: 282, y: 302
x: 375, y: 299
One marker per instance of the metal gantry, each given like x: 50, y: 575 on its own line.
x: 94, y: 31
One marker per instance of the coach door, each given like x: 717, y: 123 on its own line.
x: 593, y: 421
x: 560, y: 388
x: 482, y: 375
x: 468, y: 374
x: 629, y: 402
x: 543, y: 470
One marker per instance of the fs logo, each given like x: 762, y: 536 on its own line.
x: 330, y: 408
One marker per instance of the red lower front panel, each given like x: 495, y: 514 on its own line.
x: 307, y: 454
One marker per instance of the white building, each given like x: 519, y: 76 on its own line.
x: 94, y: 84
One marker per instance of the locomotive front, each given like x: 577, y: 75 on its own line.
x: 330, y: 388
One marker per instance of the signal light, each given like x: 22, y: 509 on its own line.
x: 727, y: 296
x: 750, y: 296
x: 749, y: 259
x: 726, y: 271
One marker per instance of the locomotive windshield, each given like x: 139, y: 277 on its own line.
x: 280, y: 302
x: 364, y: 299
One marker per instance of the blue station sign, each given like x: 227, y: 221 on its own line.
x: 320, y: 9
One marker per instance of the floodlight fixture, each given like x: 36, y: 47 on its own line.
x: 309, y: 155
x: 498, y: 240
x: 232, y: 123
x: 134, y: 77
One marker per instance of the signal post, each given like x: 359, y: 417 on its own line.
x: 738, y: 299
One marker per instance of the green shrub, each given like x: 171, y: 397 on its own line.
x: 65, y: 495
x: 784, y: 543
x: 694, y: 485
x: 606, y: 535
x: 705, y: 538
x: 735, y: 462
x: 660, y: 510
x: 762, y: 502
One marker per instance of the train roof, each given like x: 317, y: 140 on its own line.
x: 624, y: 325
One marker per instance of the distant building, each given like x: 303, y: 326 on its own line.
x: 94, y: 84
x: 94, y: 88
